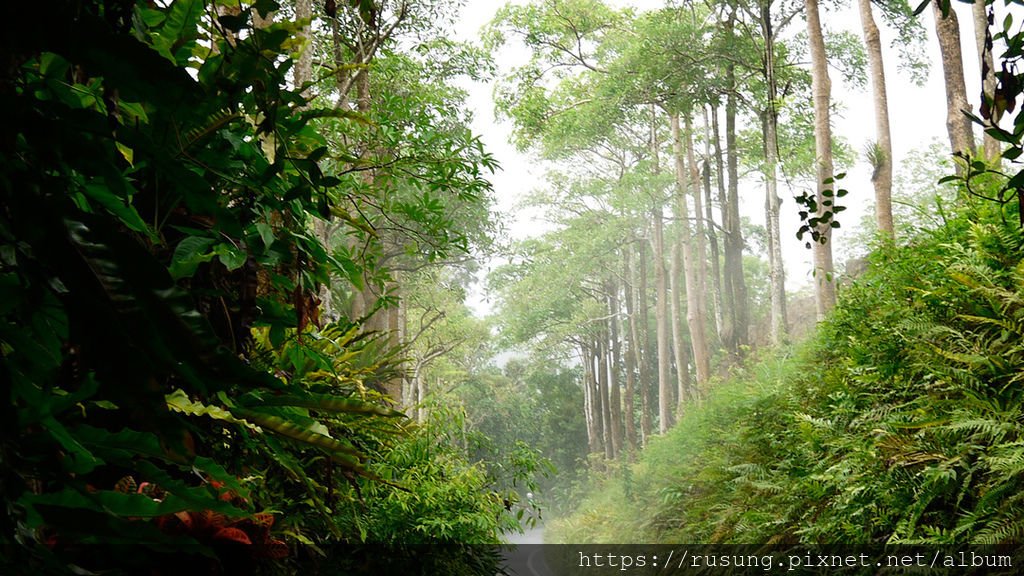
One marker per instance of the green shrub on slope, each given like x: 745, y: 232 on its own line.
x: 899, y: 422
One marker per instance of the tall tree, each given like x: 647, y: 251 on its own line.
x: 614, y: 369
x: 731, y: 216
x: 881, y: 151
x: 821, y: 86
x: 632, y: 359
x: 661, y: 310
x: 958, y: 125
x: 695, y: 308
x: 983, y: 14
x: 772, y: 204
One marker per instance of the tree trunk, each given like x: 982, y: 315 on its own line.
x: 980, y: 14
x: 590, y: 402
x: 678, y: 342
x: 602, y: 354
x: 421, y: 396
x: 731, y: 209
x: 614, y: 372
x: 661, y: 321
x: 717, y: 305
x: 882, y: 156
x: 647, y: 380
x: 694, y: 305
x: 632, y: 356
x: 772, y: 202
x: 821, y: 87
x: 961, y: 136
x: 303, y: 71
x: 700, y: 252
x: 701, y: 351
x: 772, y: 207
x: 728, y: 294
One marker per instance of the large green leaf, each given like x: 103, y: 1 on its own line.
x: 107, y: 501
x: 190, y: 253
x: 102, y: 193
x: 178, y: 30
x: 325, y: 403
x: 298, y: 433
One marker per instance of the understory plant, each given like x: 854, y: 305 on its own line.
x: 899, y: 421
x: 172, y: 402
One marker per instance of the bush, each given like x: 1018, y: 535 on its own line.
x: 899, y: 421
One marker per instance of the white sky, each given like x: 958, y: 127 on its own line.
x: 917, y: 117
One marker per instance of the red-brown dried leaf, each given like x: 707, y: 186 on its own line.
x: 186, y: 518
x: 276, y: 549
x: 232, y: 535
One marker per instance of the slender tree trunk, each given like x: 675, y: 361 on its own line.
x: 821, y: 86
x: 421, y: 396
x: 728, y: 293
x: 602, y: 354
x: 661, y: 321
x: 593, y: 444
x: 701, y: 353
x: 632, y: 359
x: 614, y: 372
x: 882, y: 160
x: 947, y: 29
x: 772, y: 207
x: 772, y: 203
x: 303, y: 71
x: 648, y: 381
x: 717, y: 306
x: 665, y: 388
x: 599, y: 397
x: 679, y: 345
x: 980, y: 14
x: 734, y: 235
x: 694, y: 306
x: 700, y: 239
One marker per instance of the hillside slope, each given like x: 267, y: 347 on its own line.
x: 898, y: 420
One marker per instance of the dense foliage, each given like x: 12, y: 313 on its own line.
x: 899, y: 421
x: 172, y: 401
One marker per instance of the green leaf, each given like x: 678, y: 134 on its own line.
x: 178, y: 28
x: 78, y: 459
x: 101, y: 193
x: 180, y: 402
x: 108, y: 502
x: 233, y: 22
x: 1000, y: 135
x: 121, y: 446
x: 133, y: 112
x: 230, y: 256
x: 150, y: 17
x: 53, y: 65
x: 266, y: 233
x: 295, y: 432
x: 265, y: 7
x: 194, y: 497
x: 325, y: 403
x: 190, y: 253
